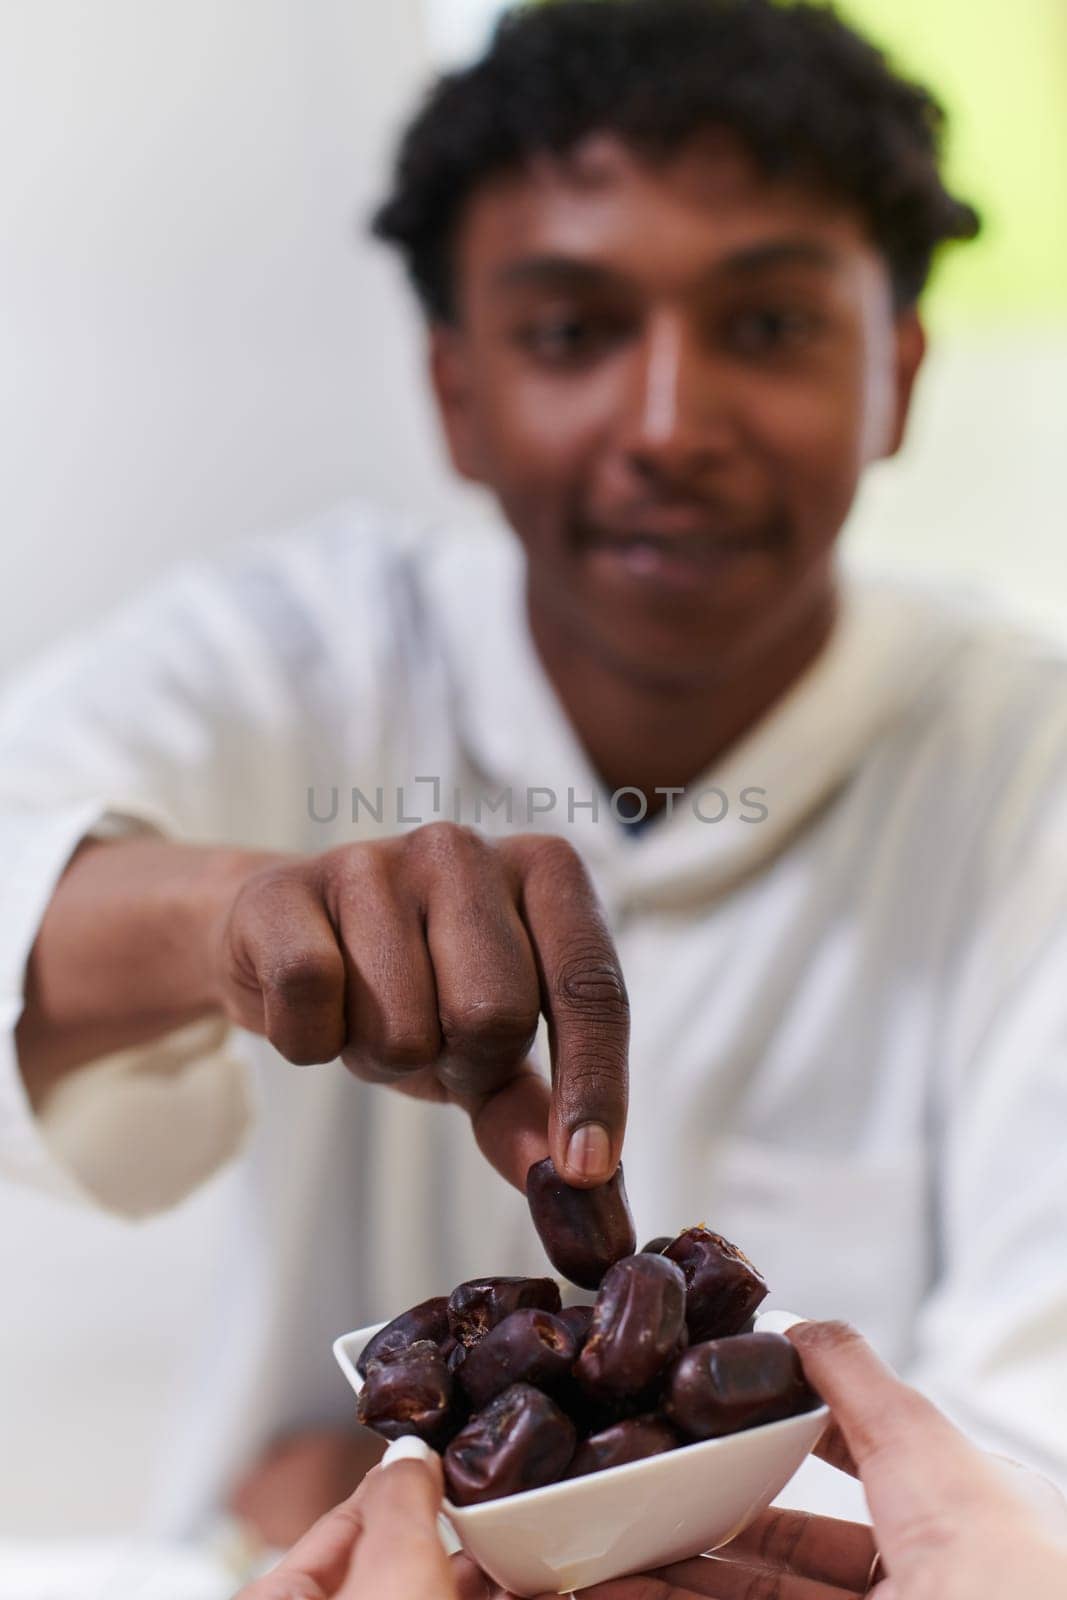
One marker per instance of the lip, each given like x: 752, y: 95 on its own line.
x: 695, y: 542
x: 671, y: 522
x: 678, y: 560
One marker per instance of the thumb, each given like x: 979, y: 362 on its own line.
x: 400, y: 1553
x: 511, y: 1123
x: 916, y: 1468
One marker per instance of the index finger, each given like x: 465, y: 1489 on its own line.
x: 318, y: 1562
x: 583, y: 997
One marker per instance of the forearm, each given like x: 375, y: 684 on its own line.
x: 125, y: 952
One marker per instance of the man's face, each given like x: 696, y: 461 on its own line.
x: 672, y: 376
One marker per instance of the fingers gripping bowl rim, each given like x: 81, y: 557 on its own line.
x: 648, y: 1513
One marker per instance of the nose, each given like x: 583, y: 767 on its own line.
x: 675, y: 425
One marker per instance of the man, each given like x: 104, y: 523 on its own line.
x: 671, y: 253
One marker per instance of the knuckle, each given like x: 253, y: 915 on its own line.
x: 929, y: 1533
x: 305, y: 1043
x: 356, y: 864
x: 490, y: 1027
x: 443, y: 841
x: 356, y: 874
x: 782, y: 1537
x: 762, y: 1586
x: 303, y: 978
x: 407, y: 1048
x: 306, y: 1051
x: 347, y: 1521
x: 553, y: 854
x: 267, y: 893
x: 588, y: 983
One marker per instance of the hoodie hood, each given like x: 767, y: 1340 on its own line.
x: 891, y: 644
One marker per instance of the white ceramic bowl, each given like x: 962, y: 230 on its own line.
x: 627, y: 1519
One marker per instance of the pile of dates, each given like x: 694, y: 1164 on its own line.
x: 517, y: 1392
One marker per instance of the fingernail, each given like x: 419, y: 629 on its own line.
x: 778, y: 1321
x: 589, y: 1151
x: 406, y: 1449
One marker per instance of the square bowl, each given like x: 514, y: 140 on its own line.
x: 627, y: 1519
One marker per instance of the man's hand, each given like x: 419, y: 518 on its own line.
x: 424, y: 962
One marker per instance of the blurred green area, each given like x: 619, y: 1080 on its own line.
x: 1000, y: 70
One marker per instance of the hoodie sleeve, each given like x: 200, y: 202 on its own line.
x: 187, y: 715
x: 992, y: 1340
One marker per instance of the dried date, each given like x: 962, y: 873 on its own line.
x: 454, y: 1353
x: 637, y: 1323
x: 528, y: 1347
x: 579, y: 1320
x: 725, y: 1385
x: 410, y: 1392
x: 521, y: 1440
x: 479, y: 1304
x: 427, y: 1320
x: 584, y: 1231
x: 627, y: 1441
x: 723, y: 1288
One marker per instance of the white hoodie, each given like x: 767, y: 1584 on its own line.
x: 849, y: 994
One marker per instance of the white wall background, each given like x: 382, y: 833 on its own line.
x: 194, y: 342
x: 194, y: 337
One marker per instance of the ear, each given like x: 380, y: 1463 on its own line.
x: 909, y: 338
x: 450, y: 379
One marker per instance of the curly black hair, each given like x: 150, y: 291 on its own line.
x: 806, y: 95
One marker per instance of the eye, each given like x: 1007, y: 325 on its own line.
x: 567, y: 338
x: 767, y: 329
